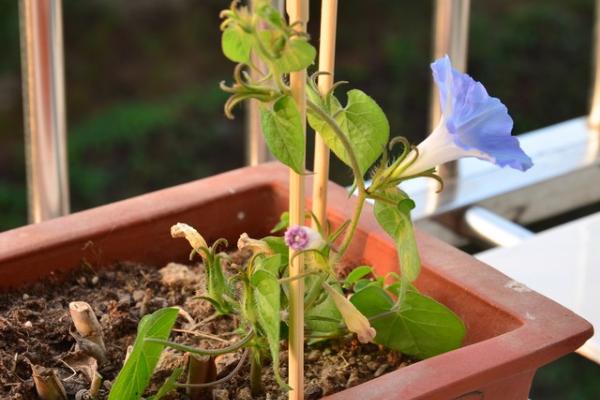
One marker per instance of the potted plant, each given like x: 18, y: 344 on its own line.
x: 477, y: 333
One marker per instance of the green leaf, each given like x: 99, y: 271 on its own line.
x: 364, y: 124
x: 277, y: 244
x: 282, y: 128
x: 361, y: 284
x: 267, y: 297
x: 323, y: 319
x: 271, y: 15
x: 395, y: 220
x: 135, y: 375
x: 272, y: 264
x: 169, y: 385
x: 421, y: 328
x: 236, y: 44
x: 284, y: 222
x: 356, y: 274
x: 296, y: 55
x: 217, y: 287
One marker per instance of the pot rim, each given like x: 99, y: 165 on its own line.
x: 545, y: 329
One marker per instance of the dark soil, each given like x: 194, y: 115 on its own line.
x: 35, y: 325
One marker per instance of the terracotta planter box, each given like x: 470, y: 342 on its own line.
x: 512, y: 331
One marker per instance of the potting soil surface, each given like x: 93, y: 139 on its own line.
x: 36, y: 329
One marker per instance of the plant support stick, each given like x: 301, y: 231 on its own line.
x: 297, y: 11
x: 326, y: 64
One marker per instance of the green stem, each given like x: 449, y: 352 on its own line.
x: 204, y: 352
x: 314, y: 291
x: 360, y: 202
x: 360, y: 183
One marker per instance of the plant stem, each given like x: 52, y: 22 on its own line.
x: 223, y: 379
x: 200, y: 369
x: 256, y: 385
x: 47, y: 384
x: 314, y: 291
x: 204, y: 352
x: 360, y: 202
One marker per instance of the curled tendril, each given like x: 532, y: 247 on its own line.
x: 245, y: 88
x: 220, y: 242
x: 432, y: 175
x: 312, y: 81
x: 335, y: 86
x: 400, y: 140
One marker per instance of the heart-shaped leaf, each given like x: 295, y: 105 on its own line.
x: 134, y: 377
x: 394, y: 218
x: 364, y: 124
x: 236, y: 44
x: 282, y: 128
x: 421, y: 327
x: 267, y: 298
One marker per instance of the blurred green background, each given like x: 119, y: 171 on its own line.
x: 145, y: 111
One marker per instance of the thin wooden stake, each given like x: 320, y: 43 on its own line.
x: 297, y: 11
x: 326, y: 64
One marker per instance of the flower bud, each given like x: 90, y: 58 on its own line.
x: 181, y: 230
x: 355, y: 321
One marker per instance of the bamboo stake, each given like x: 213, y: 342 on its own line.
x: 297, y: 11
x: 326, y: 64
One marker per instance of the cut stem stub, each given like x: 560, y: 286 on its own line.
x: 47, y: 384
x: 88, y: 327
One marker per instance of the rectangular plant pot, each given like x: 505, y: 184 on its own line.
x: 512, y: 330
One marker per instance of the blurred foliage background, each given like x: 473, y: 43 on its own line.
x: 145, y: 111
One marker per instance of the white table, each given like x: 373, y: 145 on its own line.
x: 562, y: 263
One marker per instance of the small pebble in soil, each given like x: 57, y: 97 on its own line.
x: 138, y: 295
x: 381, y: 370
x: 220, y: 394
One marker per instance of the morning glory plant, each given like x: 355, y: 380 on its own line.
x: 388, y: 310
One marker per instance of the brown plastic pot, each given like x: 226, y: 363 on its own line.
x: 512, y: 330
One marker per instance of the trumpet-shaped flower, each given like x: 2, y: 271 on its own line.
x: 473, y: 124
x: 300, y: 238
x: 255, y: 245
x: 181, y: 230
x: 355, y: 321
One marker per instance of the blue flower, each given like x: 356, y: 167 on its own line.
x: 473, y: 124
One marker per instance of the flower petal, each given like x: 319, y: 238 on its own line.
x: 475, y: 120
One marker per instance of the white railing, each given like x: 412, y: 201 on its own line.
x: 44, y: 108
